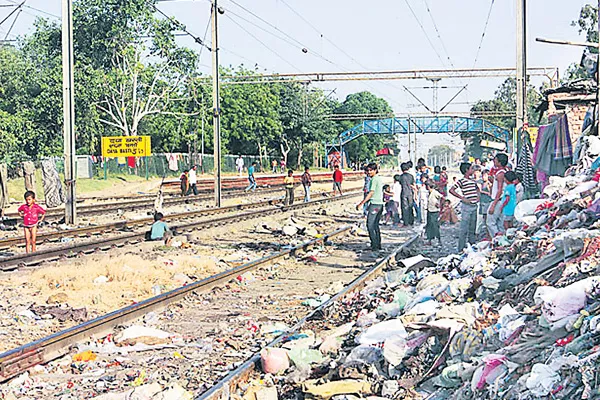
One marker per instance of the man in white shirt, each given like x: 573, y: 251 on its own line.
x: 193, y: 180
x: 239, y: 164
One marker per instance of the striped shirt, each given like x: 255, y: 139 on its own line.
x: 469, y: 190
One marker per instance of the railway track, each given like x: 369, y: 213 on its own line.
x: 17, y: 361
x: 146, y: 203
x: 240, y: 375
x: 20, y: 260
x: 138, y: 205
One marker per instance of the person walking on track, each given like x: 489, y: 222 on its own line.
x: 251, y: 179
x: 239, y: 165
x: 193, y: 180
x: 338, y: 177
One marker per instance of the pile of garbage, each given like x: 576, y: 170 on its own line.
x: 518, y: 317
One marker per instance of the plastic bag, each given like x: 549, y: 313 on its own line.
x: 378, y: 333
x: 274, y: 360
x: 542, y: 379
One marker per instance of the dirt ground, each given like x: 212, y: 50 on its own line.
x: 219, y: 329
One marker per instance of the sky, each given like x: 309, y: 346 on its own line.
x: 376, y: 35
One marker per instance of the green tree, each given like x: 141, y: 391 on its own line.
x: 588, y: 24
x: 250, y: 119
x: 303, y: 114
x: 366, y: 146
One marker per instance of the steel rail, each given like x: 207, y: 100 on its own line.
x: 228, y: 384
x: 45, y: 237
x: 13, y: 262
x: 16, y: 361
x: 138, y: 204
x: 148, y: 203
x: 87, y: 231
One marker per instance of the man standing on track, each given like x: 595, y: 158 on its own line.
x: 338, y: 177
x: 239, y: 164
x: 375, y: 197
x: 306, y: 180
x: 193, y: 180
x: 251, y: 180
x: 407, y: 196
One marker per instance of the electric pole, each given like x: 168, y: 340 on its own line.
x: 597, y: 114
x: 216, y: 105
x: 521, y: 63
x: 68, y: 110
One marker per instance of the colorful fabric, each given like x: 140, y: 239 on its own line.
x: 525, y: 165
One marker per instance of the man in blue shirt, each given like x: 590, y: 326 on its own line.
x: 251, y: 179
x: 160, y: 230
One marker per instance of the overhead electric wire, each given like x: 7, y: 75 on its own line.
x: 487, y: 21
x: 323, y: 36
x: 13, y: 24
x: 424, y: 32
x: 285, y: 34
x: 263, y: 43
x: 17, y: 8
x: 438, y: 33
x: 37, y: 9
x: 179, y: 25
x: 339, y: 49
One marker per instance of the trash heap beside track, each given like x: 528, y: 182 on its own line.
x: 516, y: 318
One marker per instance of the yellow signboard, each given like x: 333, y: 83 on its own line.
x: 126, y: 146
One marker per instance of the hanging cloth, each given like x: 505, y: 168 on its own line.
x: 525, y: 165
x: 554, y: 152
x: 53, y: 189
x: 3, y: 188
x: 121, y: 160
x: 29, y: 175
x: 172, y: 160
x: 131, y: 162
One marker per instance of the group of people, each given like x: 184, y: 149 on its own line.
x: 421, y: 196
x: 306, y: 181
x: 188, y: 181
x: 492, y: 194
x: 488, y: 195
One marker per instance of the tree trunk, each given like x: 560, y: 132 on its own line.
x: 260, y: 154
x: 300, y: 154
x: 284, y: 151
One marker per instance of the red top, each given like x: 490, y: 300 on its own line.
x: 337, y: 176
x: 31, y: 214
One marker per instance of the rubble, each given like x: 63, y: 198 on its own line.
x: 514, y: 318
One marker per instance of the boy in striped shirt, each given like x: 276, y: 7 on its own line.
x: 467, y: 191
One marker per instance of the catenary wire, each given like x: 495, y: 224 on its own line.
x: 487, y: 21
x: 262, y: 43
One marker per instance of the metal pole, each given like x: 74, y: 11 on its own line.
x: 597, y: 116
x: 521, y: 63
x: 202, y: 145
x: 68, y: 110
x: 408, y: 133
x: 216, y: 105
